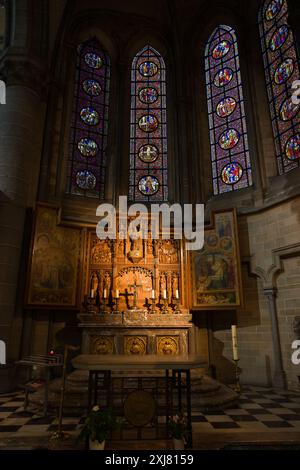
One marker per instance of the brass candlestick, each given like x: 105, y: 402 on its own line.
x: 237, y: 386
x: 153, y: 305
x: 177, y: 310
x: 116, y: 305
x: 165, y: 309
x: 105, y: 303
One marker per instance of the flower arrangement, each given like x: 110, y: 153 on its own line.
x: 98, y: 424
x: 178, y: 427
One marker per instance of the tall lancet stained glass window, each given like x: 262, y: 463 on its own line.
x: 148, y: 178
x: 87, y: 156
x: 231, y: 167
x: 281, y: 63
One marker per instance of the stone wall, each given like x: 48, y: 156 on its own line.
x: 271, y: 254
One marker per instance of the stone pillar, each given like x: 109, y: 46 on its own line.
x: 279, y: 379
x: 294, y: 19
x: 21, y: 131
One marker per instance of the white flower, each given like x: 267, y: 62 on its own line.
x: 96, y: 408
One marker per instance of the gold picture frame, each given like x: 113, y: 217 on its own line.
x: 53, y: 270
x: 215, y: 270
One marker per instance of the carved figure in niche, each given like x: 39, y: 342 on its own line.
x: 168, y: 253
x: 175, y: 284
x: 149, y: 244
x: 107, y: 283
x: 136, y: 250
x: 162, y: 284
x: 168, y: 347
x: 101, y: 252
x: 95, y: 282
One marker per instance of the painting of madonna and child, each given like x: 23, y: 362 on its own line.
x: 216, y: 280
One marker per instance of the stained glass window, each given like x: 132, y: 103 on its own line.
x: 87, y: 157
x: 2, y: 24
x: 231, y: 166
x: 281, y: 63
x: 148, y: 178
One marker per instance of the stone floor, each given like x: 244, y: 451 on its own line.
x: 262, y: 417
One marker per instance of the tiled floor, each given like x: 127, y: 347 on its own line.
x: 260, y: 410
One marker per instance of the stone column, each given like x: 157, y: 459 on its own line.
x: 279, y: 379
x: 294, y: 19
x: 21, y: 131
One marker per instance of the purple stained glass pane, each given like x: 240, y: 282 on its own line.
x: 148, y: 178
x: 231, y: 168
x: 89, y: 124
x: 281, y: 62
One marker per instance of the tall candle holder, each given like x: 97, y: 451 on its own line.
x: 105, y: 303
x: 177, y: 310
x: 237, y: 386
x: 116, y: 305
x: 153, y: 306
x: 165, y: 309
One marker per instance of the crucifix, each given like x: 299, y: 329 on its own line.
x: 135, y: 287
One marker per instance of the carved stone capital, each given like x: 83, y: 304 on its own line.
x: 24, y: 71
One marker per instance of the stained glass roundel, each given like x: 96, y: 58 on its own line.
x: 89, y: 116
x: 273, y: 9
x: 221, y: 49
x: 93, y: 60
x: 284, y: 71
x: 148, y: 123
x: 148, y: 153
x: 87, y: 147
x: 148, y: 185
x: 85, y: 179
x: 288, y: 110
x: 279, y: 38
x: 232, y: 173
x: 223, y: 77
x: 229, y: 139
x: 91, y: 87
x: 292, y: 148
x: 148, y: 95
x: 225, y: 107
x: 148, y: 69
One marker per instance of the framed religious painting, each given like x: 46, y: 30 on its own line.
x: 215, y: 269
x: 53, y: 269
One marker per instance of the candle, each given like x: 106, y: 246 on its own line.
x: 177, y: 294
x: 92, y: 293
x: 153, y: 294
x: 234, y: 343
x: 104, y: 294
x: 165, y: 293
x: 117, y: 293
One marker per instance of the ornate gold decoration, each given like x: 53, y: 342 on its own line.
x: 168, y: 251
x: 167, y: 345
x: 139, y: 408
x: 101, y: 252
x: 135, y: 345
x: 55, y: 260
x: 102, y: 345
x: 136, y: 252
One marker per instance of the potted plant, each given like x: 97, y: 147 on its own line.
x: 97, y: 426
x: 178, y: 427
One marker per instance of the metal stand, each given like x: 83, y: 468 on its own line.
x: 60, y: 435
x: 153, y: 305
x: 237, y: 387
x: 165, y: 309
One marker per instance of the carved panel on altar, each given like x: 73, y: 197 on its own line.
x: 102, y: 344
x: 55, y: 258
x: 216, y: 280
x: 167, y: 345
x: 135, y: 345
